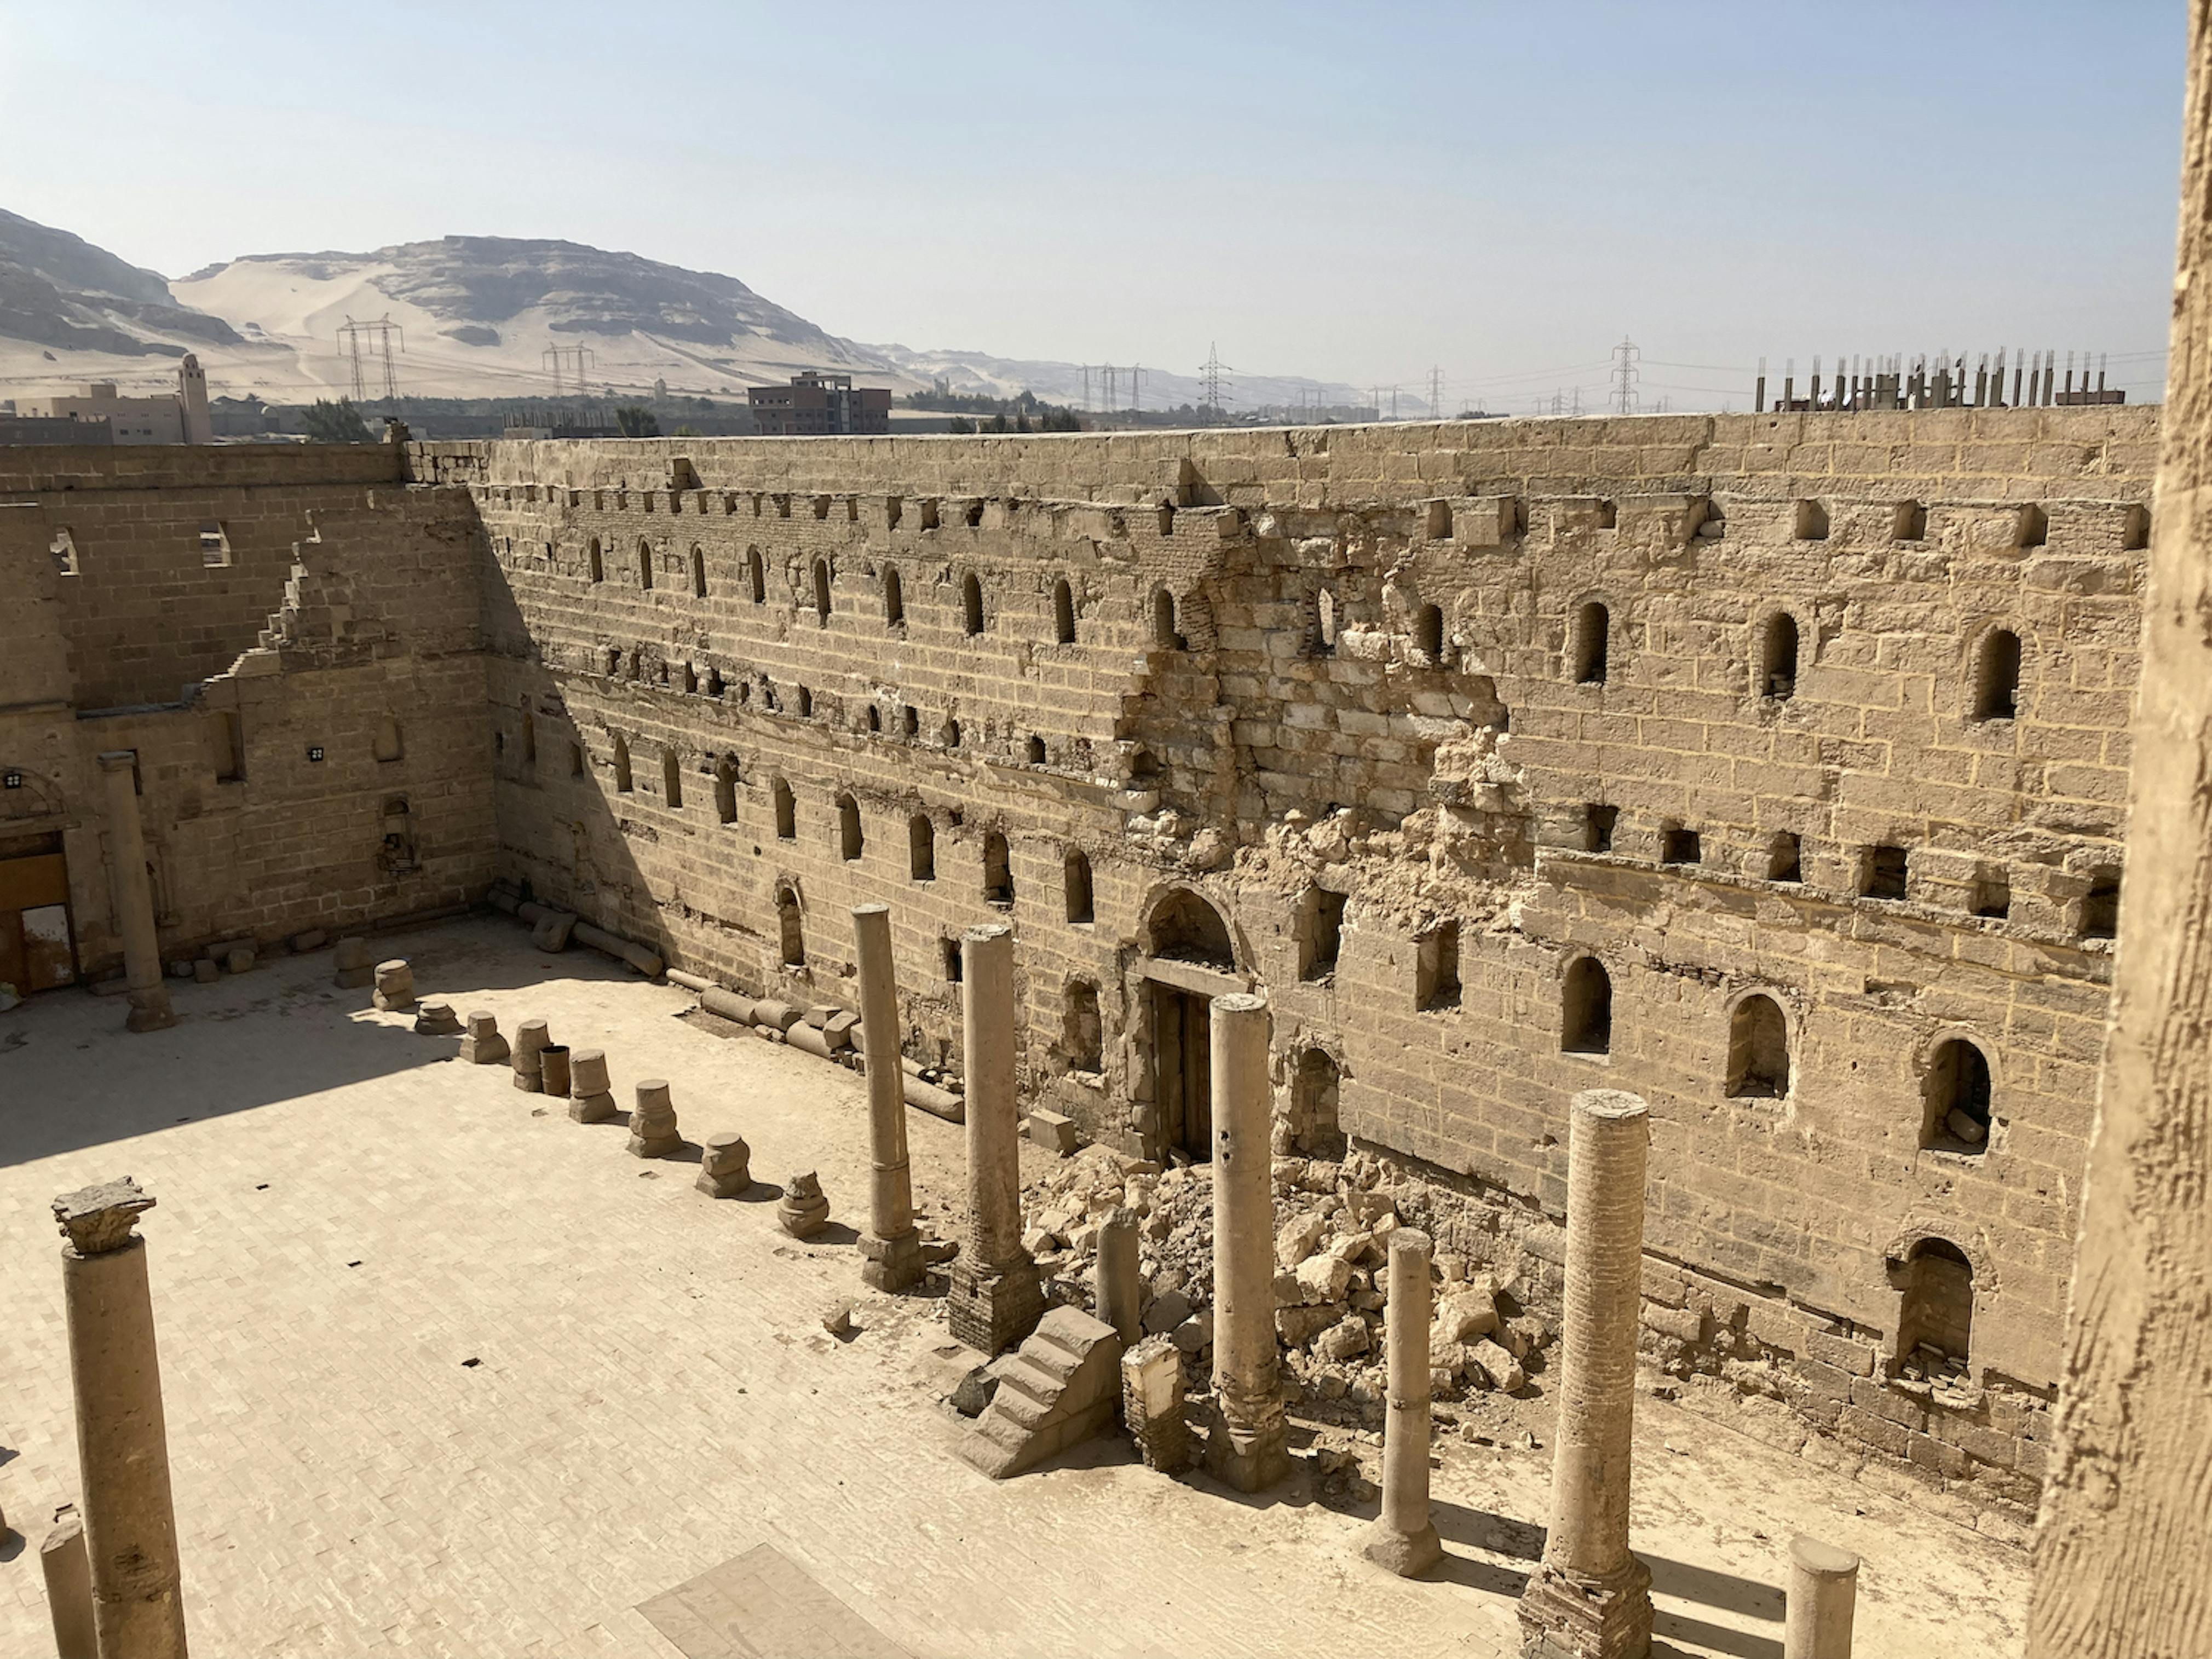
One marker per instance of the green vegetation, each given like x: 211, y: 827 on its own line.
x: 636, y: 421
x: 977, y: 411
x: 334, y: 423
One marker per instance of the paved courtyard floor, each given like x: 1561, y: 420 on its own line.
x: 448, y: 1374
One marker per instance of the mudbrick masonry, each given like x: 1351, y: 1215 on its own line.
x: 1771, y: 767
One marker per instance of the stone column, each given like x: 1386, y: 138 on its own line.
x: 2126, y: 1530
x: 891, y: 1249
x: 996, y: 1298
x: 1116, y: 1286
x: 1245, y: 1443
x: 133, y: 896
x: 1588, y: 1598
x: 1403, y: 1538
x: 123, y: 1448
x: 1824, y: 1591
x: 69, y: 1586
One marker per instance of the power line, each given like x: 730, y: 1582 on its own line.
x: 1216, y: 387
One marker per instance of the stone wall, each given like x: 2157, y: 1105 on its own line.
x: 1357, y: 665
x: 1772, y: 766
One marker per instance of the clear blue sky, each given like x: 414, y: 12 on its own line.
x: 1351, y: 192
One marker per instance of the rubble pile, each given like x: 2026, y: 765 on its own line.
x: 1334, y: 1222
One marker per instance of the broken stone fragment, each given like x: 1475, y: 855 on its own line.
x: 1342, y: 1340
x: 1166, y: 1313
x: 1964, y: 1129
x: 725, y: 1165
x: 436, y: 1019
x: 1323, y: 1279
x: 1503, y: 1369
x: 1299, y: 1236
x: 838, y: 1320
x: 98, y: 1219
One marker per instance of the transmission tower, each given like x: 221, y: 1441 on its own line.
x: 1625, y: 374
x: 1136, y: 390
x: 551, y: 357
x: 1107, y: 385
x: 1086, y: 388
x: 1436, y: 394
x: 382, y: 330
x: 1216, y: 388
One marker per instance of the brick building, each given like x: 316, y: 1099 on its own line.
x: 820, y: 406
x: 1771, y: 767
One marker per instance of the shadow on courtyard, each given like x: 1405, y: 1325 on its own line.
x: 71, y: 1077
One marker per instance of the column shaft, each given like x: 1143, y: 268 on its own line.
x: 133, y: 896
x: 123, y: 1448
x: 1404, y: 1537
x: 1824, y: 1588
x: 892, y: 1250
x: 996, y: 1298
x: 1590, y: 1598
x: 1246, y: 1445
x: 1117, y: 1286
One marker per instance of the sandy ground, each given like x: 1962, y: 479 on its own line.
x: 447, y: 1373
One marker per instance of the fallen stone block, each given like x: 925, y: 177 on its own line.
x: 1054, y: 1130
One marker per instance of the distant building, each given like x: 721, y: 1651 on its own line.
x: 50, y: 430
x: 817, y: 405
x: 177, y: 417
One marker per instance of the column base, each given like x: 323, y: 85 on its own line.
x: 1566, y: 1616
x: 1251, y: 1451
x: 150, y: 1010
x: 892, y: 1264
x: 1403, y: 1552
x: 993, y: 1310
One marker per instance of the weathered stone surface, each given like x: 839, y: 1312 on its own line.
x: 803, y: 1211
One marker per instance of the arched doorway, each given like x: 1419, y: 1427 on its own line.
x: 1189, y: 950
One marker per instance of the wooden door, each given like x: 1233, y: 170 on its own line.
x: 1182, y: 1070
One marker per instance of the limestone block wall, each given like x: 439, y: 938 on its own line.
x: 330, y: 769
x: 1354, y: 674
x: 149, y: 608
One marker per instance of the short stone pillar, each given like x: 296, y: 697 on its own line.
x: 996, y: 1298
x: 69, y: 1586
x: 353, y: 964
x: 1824, y: 1591
x: 122, y: 1442
x: 1151, y: 1403
x: 890, y: 1249
x: 803, y: 1211
x: 1588, y: 1598
x: 553, y: 1069
x: 483, y: 1045
x: 395, y: 985
x: 436, y: 1019
x: 132, y: 894
x: 531, y: 1036
x: 1245, y: 1443
x: 725, y: 1165
x: 1404, y: 1537
x: 1116, y: 1285
x: 653, y: 1131
x: 591, y: 1096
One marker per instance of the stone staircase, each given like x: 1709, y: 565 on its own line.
x: 1060, y: 1387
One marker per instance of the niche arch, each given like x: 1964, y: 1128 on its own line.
x: 1183, y: 924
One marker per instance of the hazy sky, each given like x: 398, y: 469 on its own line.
x: 1358, y: 192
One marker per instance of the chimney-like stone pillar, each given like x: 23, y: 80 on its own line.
x: 133, y: 895
x: 1403, y: 1537
x: 1588, y: 1598
x: 1824, y: 1591
x: 123, y: 1447
x: 891, y: 1249
x: 996, y: 1298
x: 1245, y: 1443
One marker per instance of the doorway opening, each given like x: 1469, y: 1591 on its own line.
x: 1182, y: 1070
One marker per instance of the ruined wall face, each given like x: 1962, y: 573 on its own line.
x: 334, y: 776
x: 1370, y: 677
x: 148, y: 607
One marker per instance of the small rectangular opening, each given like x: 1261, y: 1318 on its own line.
x: 1680, y: 846
x: 1885, y: 873
x: 1435, y: 978
x: 230, y: 747
x: 1598, y: 822
x: 215, y: 543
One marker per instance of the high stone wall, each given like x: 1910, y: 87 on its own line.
x: 1235, y: 697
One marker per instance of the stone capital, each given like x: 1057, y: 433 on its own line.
x: 99, y: 1219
